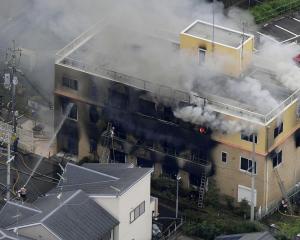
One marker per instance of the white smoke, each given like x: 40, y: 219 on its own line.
x: 46, y: 26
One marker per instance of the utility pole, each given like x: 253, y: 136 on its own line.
x: 253, y: 179
x: 13, y: 56
x: 177, y: 190
x: 6, y: 138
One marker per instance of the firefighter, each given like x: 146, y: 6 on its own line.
x: 22, y: 193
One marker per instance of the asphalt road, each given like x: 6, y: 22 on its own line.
x: 284, y: 29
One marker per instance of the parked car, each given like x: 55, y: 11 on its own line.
x: 156, y: 233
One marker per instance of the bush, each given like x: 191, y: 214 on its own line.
x: 243, y: 209
x: 273, y: 8
x: 212, y: 197
x: 229, y: 201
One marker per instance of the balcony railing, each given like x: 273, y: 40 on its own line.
x: 183, y: 157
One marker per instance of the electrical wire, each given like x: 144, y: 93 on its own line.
x: 31, y: 170
x: 28, y: 174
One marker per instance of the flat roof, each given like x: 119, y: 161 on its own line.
x: 217, y: 34
x: 137, y: 60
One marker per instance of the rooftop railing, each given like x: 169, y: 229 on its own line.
x: 218, y: 104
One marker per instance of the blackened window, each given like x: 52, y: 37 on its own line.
x: 69, y: 108
x: 277, y: 159
x: 278, y: 130
x: 168, y: 114
x: 249, y: 137
x: 117, y: 156
x: 246, y: 165
x: 224, y: 157
x: 94, y: 115
x: 195, y: 180
x: 118, y: 100
x: 147, y: 107
x: 70, y: 83
x: 119, y: 131
x: 141, y: 162
x: 198, y: 156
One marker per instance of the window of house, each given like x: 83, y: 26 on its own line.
x: 137, y: 212
x: 69, y: 108
x: 70, y: 83
x: 249, y: 137
x: 246, y: 165
x: 202, y: 53
x: 277, y: 159
x: 224, y: 157
x: 278, y: 130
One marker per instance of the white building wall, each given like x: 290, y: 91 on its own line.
x: 111, y: 205
x: 141, y: 228
x: 120, y: 208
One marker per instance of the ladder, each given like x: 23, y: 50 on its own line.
x: 283, y: 191
x: 202, y: 189
x: 105, y: 155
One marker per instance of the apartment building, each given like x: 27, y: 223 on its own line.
x: 122, y: 111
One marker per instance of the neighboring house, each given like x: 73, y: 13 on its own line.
x: 121, y: 189
x: 69, y: 215
x: 119, y: 87
x: 8, y: 235
x: 247, y: 236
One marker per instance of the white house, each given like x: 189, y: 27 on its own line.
x: 121, y: 189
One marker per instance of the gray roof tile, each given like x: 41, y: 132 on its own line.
x: 72, y: 216
x: 110, y: 180
x: 14, y: 211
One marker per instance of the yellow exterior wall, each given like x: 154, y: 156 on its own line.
x: 225, y: 57
x: 290, y: 122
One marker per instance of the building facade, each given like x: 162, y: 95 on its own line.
x: 113, y: 116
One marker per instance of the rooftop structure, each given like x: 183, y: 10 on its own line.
x: 95, y: 52
x: 218, y: 34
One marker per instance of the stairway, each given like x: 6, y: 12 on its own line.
x: 202, y: 189
x: 283, y: 191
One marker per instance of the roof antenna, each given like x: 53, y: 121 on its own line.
x: 213, y: 22
x: 61, y: 179
x: 242, y: 50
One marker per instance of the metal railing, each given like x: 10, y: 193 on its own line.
x: 200, y: 162
x: 216, y: 102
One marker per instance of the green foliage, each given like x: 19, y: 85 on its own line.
x: 243, y: 209
x: 210, y: 229
x: 212, y: 196
x: 273, y: 8
x: 229, y: 201
x: 289, y: 229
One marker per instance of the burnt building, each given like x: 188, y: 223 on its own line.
x: 119, y: 89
